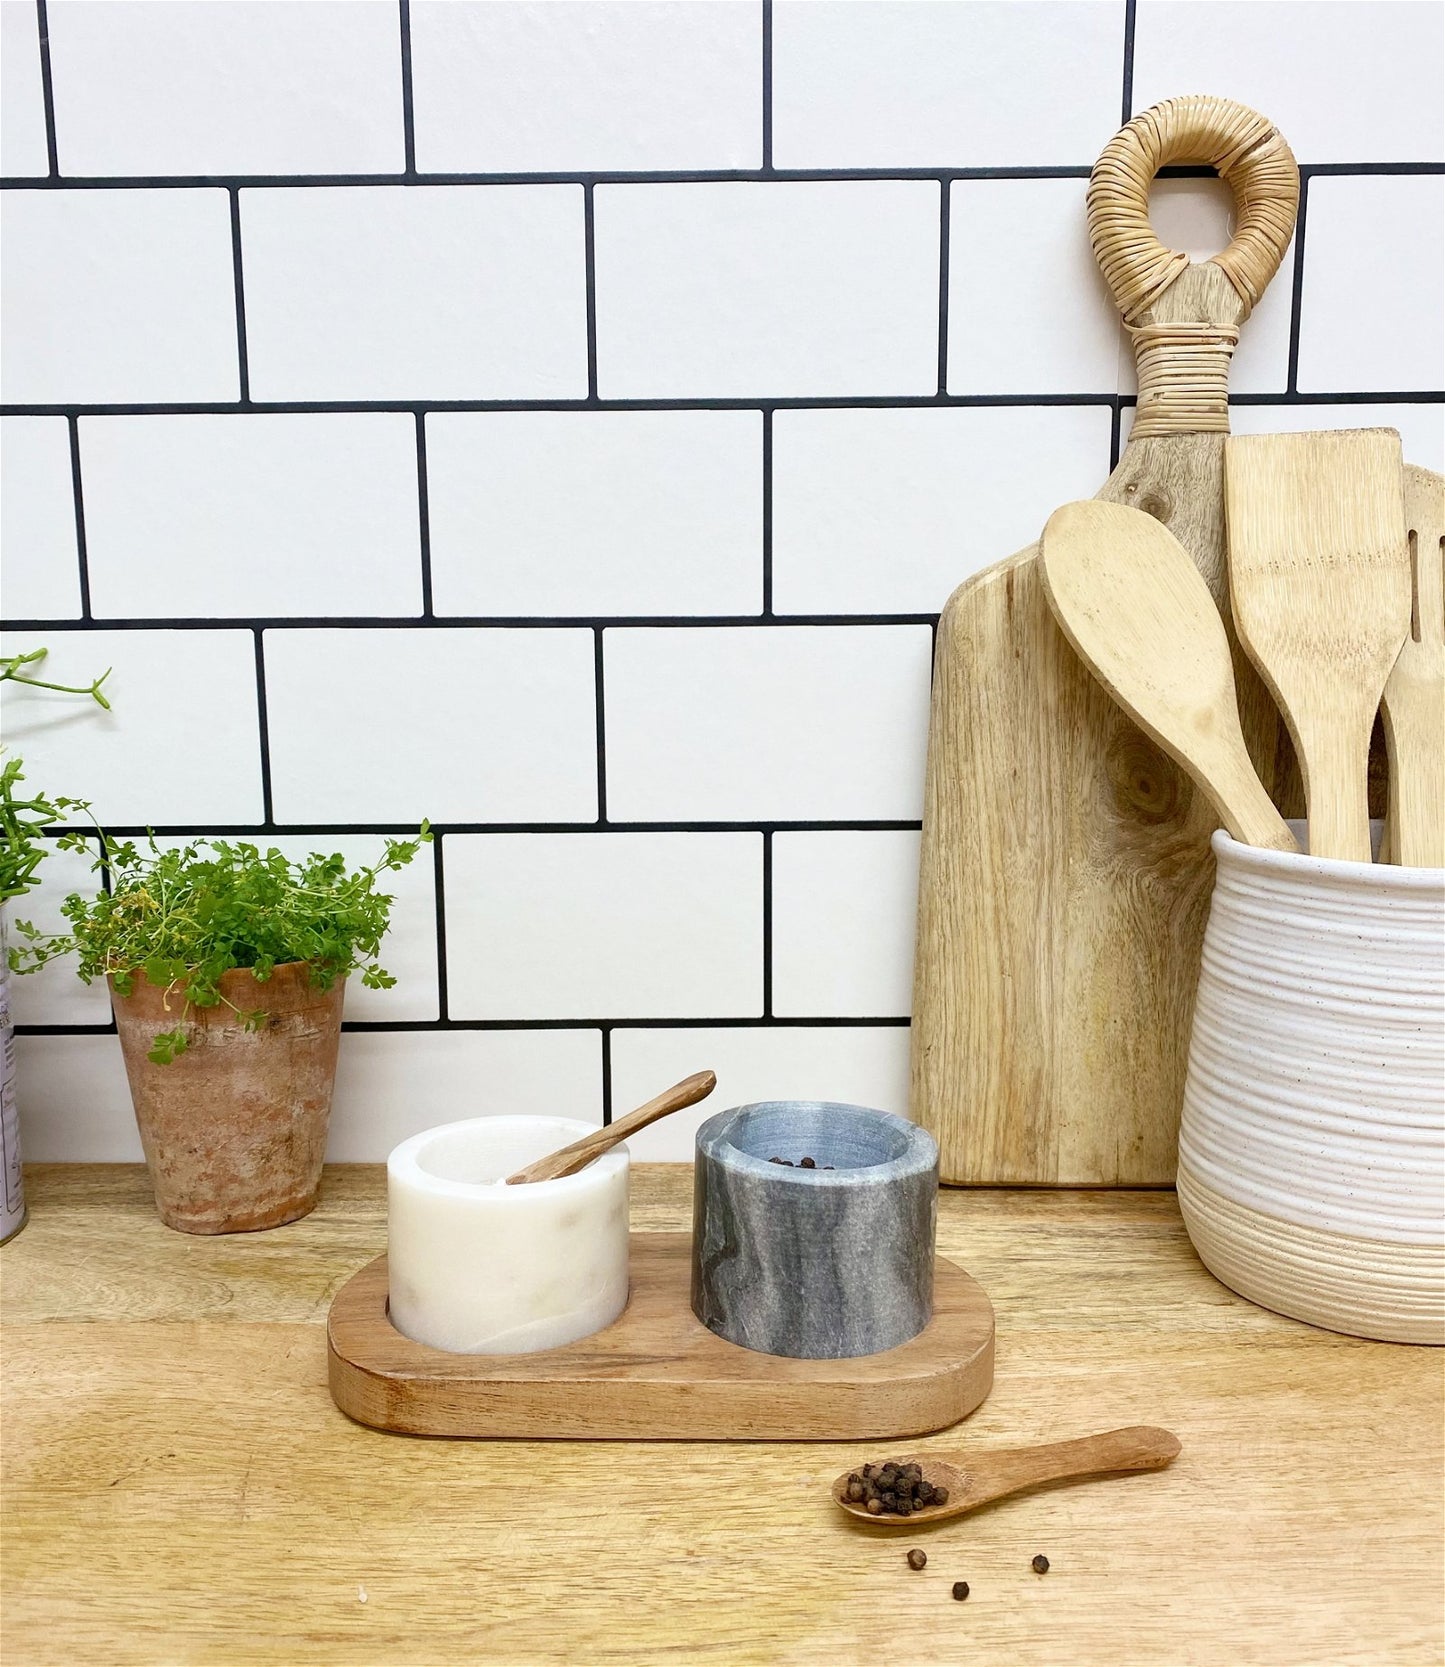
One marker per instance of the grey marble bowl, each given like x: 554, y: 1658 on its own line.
x: 819, y: 1264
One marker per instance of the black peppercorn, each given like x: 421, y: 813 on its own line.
x: 855, y: 1490
x: 806, y: 1163
x: 917, y: 1559
x: 904, y: 1507
x: 1040, y: 1564
x: 960, y: 1589
x: 875, y: 1506
x: 940, y: 1496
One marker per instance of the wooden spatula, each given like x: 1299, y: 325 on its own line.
x: 1319, y: 575
x: 1414, y: 701
x: 1140, y: 616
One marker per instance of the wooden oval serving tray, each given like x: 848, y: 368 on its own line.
x: 657, y: 1373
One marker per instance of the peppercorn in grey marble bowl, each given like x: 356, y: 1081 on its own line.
x: 822, y: 1263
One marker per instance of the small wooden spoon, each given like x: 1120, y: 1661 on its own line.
x: 984, y: 1477
x: 569, y: 1159
x: 1140, y: 616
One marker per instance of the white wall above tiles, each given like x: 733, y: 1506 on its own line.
x: 563, y: 419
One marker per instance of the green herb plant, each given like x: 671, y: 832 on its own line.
x: 184, y: 916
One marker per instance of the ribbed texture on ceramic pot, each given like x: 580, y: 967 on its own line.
x: 1315, y: 1095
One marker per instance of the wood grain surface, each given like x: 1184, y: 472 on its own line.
x: 658, y: 1373
x: 179, y: 1487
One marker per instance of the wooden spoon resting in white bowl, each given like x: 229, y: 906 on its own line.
x: 982, y: 1477
x: 569, y: 1159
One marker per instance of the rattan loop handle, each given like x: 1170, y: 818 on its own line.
x: 1246, y: 150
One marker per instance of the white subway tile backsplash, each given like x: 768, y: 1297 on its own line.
x: 1421, y: 426
x: 1028, y: 310
x: 74, y: 1101
x: 604, y: 925
x: 39, y: 562
x: 775, y: 723
x: 594, y: 86
x: 230, y: 87
x: 180, y: 744
x: 916, y: 84
x: 116, y: 297
x: 1344, y: 83
x: 415, y: 292
x: 858, y: 1065
x: 843, y: 917
x: 226, y: 516
x: 1372, y: 309
x: 878, y: 511
x: 55, y: 994
x: 607, y: 512
x: 23, y: 148
x: 391, y: 1085
x: 457, y: 725
x: 755, y: 289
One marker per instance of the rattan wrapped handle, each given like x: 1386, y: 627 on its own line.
x: 1245, y: 149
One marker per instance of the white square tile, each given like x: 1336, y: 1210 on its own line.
x: 1421, y: 427
x: 39, y: 564
x: 594, y: 87
x: 231, y: 516
x: 1344, y: 82
x: 55, y: 994
x: 743, y: 290
x: 1372, y: 308
x: 391, y: 1085
x: 117, y: 297
x: 880, y: 511
x: 594, y: 513
x: 785, y: 723
x: 1197, y: 216
x: 904, y: 84
x: 229, y: 87
x: 180, y: 743
x: 455, y: 725
x: 1028, y: 309
x: 861, y: 1065
x: 604, y: 925
x: 22, y: 102
x: 844, y: 906
x: 74, y: 1101
x: 415, y: 292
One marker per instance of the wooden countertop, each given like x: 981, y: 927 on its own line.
x: 178, y: 1486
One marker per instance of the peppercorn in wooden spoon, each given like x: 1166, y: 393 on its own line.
x: 965, y: 1484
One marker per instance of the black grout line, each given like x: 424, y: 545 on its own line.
x: 1297, y: 278
x: 1127, y: 102
x: 599, y: 680
x: 767, y: 26
x: 589, y: 280
x: 391, y: 622
x: 408, y: 115
x: 677, y: 176
x: 606, y: 1075
x: 768, y: 515
x: 945, y: 197
x: 47, y: 88
x: 1116, y: 423
x: 439, y: 879
x: 423, y: 511
x: 701, y: 1021
x: 264, y: 727
x: 382, y: 830
x: 240, y: 287
x: 82, y: 554
x: 767, y: 925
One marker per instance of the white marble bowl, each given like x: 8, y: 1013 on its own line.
x: 1312, y: 1140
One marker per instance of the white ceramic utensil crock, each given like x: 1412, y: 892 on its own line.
x: 1312, y: 1141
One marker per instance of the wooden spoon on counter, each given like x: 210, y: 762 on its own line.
x: 569, y: 1159
x: 983, y: 1477
x: 1131, y: 601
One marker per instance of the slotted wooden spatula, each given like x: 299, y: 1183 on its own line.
x: 1319, y: 575
x: 1065, y: 871
x: 1414, y: 701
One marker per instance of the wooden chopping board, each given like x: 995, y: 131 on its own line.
x: 1065, y: 871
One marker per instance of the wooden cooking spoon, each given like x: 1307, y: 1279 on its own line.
x: 1131, y: 601
x: 1319, y: 575
x: 983, y: 1477
x: 569, y: 1159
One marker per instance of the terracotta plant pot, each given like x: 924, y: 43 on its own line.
x: 234, y: 1129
